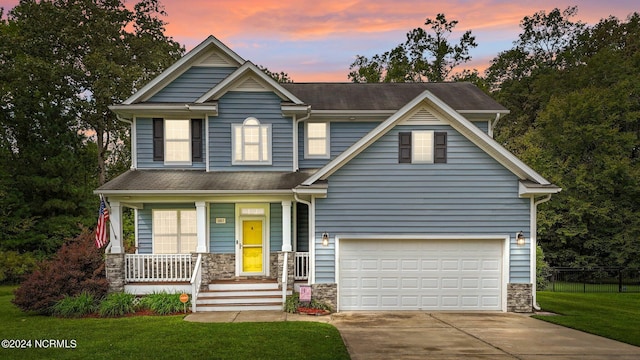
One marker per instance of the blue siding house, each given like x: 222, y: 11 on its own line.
x: 376, y: 196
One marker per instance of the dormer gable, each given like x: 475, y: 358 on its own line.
x: 210, y: 53
x: 249, y: 78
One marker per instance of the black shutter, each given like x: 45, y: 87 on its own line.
x: 404, y: 147
x: 440, y: 148
x: 158, y: 139
x: 196, y: 140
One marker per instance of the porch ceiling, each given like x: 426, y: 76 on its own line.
x: 182, y: 181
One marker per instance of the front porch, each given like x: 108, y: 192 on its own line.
x: 209, y: 278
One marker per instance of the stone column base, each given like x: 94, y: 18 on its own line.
x: 519, y: 298
x: 114, y: 267
x: 326, y: 293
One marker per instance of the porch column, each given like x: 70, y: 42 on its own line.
x: 115, y: 225
x: 201, y: 226
x: 286, y: 226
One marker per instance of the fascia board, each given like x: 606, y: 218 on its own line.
x: 248, y: 67
x: 526, y: 191
x: 181, y: 66
x: 148, y: 109
x: 189, y: 192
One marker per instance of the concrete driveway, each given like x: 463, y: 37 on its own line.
x: 442, y: 335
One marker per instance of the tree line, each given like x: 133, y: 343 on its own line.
x: 572, y: 89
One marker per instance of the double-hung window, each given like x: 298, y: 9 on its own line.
x: 317, y: 140
x: 174, y: 231
x: 178, y: 141
x: 251, y: 142
x: 422, y: 147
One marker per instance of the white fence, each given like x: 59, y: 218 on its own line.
x: 158, y: 267
x: 301, y: 264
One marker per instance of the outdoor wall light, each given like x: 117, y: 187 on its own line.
x: 325, y: 239
x: 520, y: 239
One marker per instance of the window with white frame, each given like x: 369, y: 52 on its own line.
x: 174, y: 231
x: 177, y: 141
x: 422, y: 147
x: 251, y: 142
x: 317, y: 140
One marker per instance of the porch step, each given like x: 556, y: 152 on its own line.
x: 242, y: 295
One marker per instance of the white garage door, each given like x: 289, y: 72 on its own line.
x: 420, y: 274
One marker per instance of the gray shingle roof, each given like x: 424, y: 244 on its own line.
x: 201, y: 181
x: 390, y: 96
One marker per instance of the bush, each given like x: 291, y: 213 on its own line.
x: 14, y: 267
x: 163, y: 303
x: 76, y: 268
x: 118, y: 304
x: 293, y: 302
x: 543, y: 270
x: 75, y: 306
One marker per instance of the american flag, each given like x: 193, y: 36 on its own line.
x: 101, y: 230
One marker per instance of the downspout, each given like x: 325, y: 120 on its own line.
x: 534, y: 248
x: 312, y: 225
x: 492, y: 125
x: 296, y: 166
x: 134, y: 155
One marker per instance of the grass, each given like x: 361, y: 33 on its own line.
x: 165, y: 337
x: 564, y: 286
x: 612, y: 315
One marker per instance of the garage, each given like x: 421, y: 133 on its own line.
x: 421, y: 274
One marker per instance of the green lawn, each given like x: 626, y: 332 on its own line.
x: 165, y: 337
x: 612, y: 315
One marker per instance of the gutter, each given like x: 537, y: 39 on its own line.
x: 296, y: 166
x: 534, y: 247
x: 492, y: 125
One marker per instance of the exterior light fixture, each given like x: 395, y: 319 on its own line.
x: 520, y: 239
x: 325, y: 239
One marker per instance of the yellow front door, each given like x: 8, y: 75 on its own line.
x: 252, y: 246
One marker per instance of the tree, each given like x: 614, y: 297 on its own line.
x: 426, y: 55
x: 64, y: 62
x: 281, y: 77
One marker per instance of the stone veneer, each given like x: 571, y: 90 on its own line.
x: 114, y: 268
x: 326, y: 293
x: 290, y: 269
x: 519, y: 298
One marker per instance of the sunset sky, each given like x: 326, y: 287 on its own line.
x: 318, y: 40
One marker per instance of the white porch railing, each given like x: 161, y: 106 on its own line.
x: 301, y: 262
x: 196, y: 281
x: 158, y: 267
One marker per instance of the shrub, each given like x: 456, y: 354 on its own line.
x: 75, y: 306
x: 76, y: 268
x: 14, y: 267
x: 543, y: 270
x: 293, y: 302
x: 163, y: 303
x: 118, y: 304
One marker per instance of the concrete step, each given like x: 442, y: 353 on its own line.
x: 239, y: 299
x: 226, y: 286
x: 237, y: 293
x: 240, y: 307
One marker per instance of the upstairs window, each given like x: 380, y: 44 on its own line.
x: 251, y: 143
x: 177, y: 142
x: 422, y: 147
x: 317, y: 140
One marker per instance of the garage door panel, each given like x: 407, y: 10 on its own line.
x: 420, y: 274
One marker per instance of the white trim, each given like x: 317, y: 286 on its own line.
x: 327, y: 140
x: 312, y: 241
x: 456, y: 120
x: 265, y: 159
x: 134, y: 144
x: 179, y: 67
x: 206, y: 145
x: 506, y: 256
x: 136, y: 229
x: 238, y: 77
x: 525, y: 191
